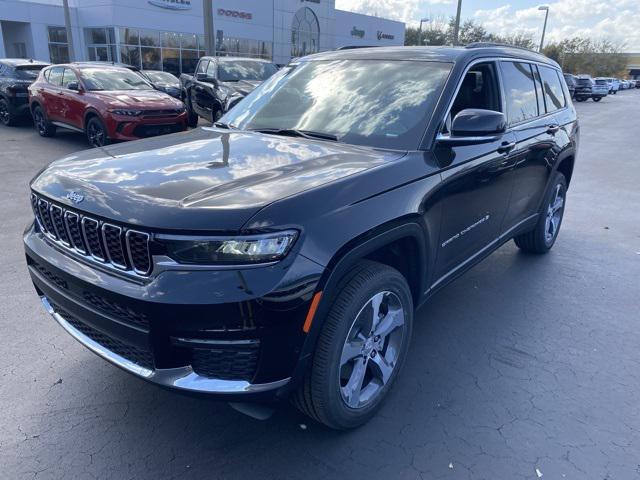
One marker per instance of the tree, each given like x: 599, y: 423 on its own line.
x: 581, y: 55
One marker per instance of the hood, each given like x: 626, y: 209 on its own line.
x: 243, y: 87
x: 205, y: 179
x: 137, y: 99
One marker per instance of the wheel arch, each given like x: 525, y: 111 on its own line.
x: 88, y: 115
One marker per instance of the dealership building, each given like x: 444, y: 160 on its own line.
x: 168, y: 34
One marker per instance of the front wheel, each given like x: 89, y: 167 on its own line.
x: 362, y: 346
x: 96, y: 133
x: 545, y: 233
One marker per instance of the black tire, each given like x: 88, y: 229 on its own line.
x: 539, y: 240
x: 43, y: 126
x: 7, y: 118
x: 96, y: 132
x: 597, y: 99
x: 321, y: 394
x: 580, y: 99
x: 192, y: 117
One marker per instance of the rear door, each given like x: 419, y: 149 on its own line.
x: 535, y: 134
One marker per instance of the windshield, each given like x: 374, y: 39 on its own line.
x: 379, y: 103
x: 161, y: 77
x: 601, y: 82
x: 29, y: 72
x: 584, y: 81
x: 113, y: 79
x: 236, y: 70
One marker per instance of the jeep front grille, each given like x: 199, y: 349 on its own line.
x: 108, y: 244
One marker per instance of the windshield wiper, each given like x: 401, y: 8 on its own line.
x: 292, y: 132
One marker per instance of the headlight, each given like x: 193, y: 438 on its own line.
x: 229, y: 251
x: 126, y: 112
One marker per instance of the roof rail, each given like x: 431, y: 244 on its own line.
x: 496, y: 44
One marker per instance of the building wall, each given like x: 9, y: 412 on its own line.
x: 264, y: 20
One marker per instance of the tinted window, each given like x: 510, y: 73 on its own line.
x: 584, y: 82
x: 161, y: 77
x: 67, y: 77
x: 244, y: 70
x: 55, y: 76
x: 380, y: 103
x: 202, y: 66
x: 553, y: 95
x: 520, y: 91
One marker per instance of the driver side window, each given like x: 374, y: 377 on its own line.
x: 479, y: 89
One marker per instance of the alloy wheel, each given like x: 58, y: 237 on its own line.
x: 371, y: 350
x: 554, y: 214
x: 5, y: 117
x: 95, y: 134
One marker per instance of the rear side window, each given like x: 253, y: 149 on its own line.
x: 520, y: 91
x: 55, y: 76
x: 554, y: 98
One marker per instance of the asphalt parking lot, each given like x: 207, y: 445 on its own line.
x: 525, y: 367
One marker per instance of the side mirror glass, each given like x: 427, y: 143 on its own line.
x: 73, y: 86
x: 206, y: 78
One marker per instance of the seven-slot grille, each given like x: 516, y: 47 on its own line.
x: 126, y: 250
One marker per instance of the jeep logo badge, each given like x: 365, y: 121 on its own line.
x: 75, y: 197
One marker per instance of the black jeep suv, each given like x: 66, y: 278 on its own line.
x: 283, y: 251
x: 16, y: 74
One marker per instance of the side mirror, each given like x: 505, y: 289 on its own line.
x: 206, y: 78
x: 475, y: 122
x: 73, y: 86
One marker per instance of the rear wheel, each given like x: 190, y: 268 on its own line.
x: 44, y: 128
x: 597, y: 99
x: 361, y: 348
x: 96, y: 133
x: 544, y: 234
x: 6, y: 117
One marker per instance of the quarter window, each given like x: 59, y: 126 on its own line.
x: 553, y: 94
x: 520, y: 91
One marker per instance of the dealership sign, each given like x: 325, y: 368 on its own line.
x: 385, y: 36
x: 172, y: 4
x: 357, y: 33
x: 223, y: 12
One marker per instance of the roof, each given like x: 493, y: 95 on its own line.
x: 17, y: 62
x: 436, y: 54
x: 222, y: 57
x: 104, y: 64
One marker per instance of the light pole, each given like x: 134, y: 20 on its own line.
x: 209, y: 34
x: 422, y: 20
x: 456, y: 30
x: 544, y: 28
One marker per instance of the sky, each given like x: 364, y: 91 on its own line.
x: 617, y: 20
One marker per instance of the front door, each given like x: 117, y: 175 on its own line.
x: 476, y: 181
x: 71, y: 102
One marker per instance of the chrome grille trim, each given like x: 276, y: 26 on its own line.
x: 78, y: 229
x: 130, y: 253
x: 111, y: 253
x: 63, y: 236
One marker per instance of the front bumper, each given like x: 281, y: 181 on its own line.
x: 194, y: 331
x: 125, y: 128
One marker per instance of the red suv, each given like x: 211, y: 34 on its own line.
x: 105, y: 102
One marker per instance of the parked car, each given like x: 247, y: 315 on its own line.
x: 632, y: 83
x: 105, y: 102
x: 599, y: 90
x: 220, y: 83
x: 571, y: 84
x: 282, y: 252
x: 16, y: 74
x: 584, y: 88
x: 624, y: 85
x: 612, y: 83
x: 164, y: 81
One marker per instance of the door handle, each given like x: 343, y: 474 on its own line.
x: 553, y: 128
x: 506, y: 147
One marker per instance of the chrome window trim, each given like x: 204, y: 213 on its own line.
x: 106, y: 247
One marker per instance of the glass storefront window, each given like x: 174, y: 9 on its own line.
x: 305, y: 33
x: 170, y: 39
x: 151, y: 58
x: 189, y: 41
x: 58, y: 48
x: 149, y: 38
x: 101, y: 44
x: 129, y: 36
x: 171, y: 60
x: 130, y: 55
x: 189, y: 61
